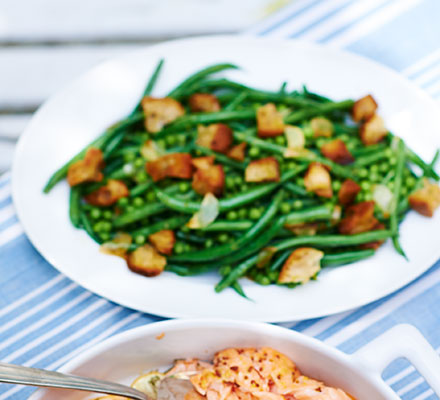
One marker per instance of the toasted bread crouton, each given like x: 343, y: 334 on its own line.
x: 263, y: 170
x: 318, y: 180
x: 358, y: 218
x: 118, y: 246
x: 203, y: 102
x: 373, y: 130
x: 151, y: 151
x: 303, y: 228
x: 337, y: 151
x: 160, y: 112
x: 217, y: 137
x: 174, y: 165
x: 348, y: 192
x: 203, y: 162
x: 269, y: 121
x: 88, y: 169
x: 163, y: 241
x: 426, y: 199
x: 301, y: 266
x: 145, y: 260
x: 238, y: 152
x: 321, y: 127
x: 377, y: 243
x: 108, y: 194
x: 364, y: 108
x: 210, y: 179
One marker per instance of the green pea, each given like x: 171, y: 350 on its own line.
x: 336, y: 185
x: 209, y: 243
x: 273, y: 276
x: 139, y: 162
x: 161, y: 143
x: 254, y: 152
x: 138, y: 201
x: 299, y: 181
x: 374, y: 168
x: 232, y: 215
x: 179, y: 248
x: 129, y: 156
x: 105, y: 236
x: 187, y: 247
x: 171, y: 140
x: 368, y: 196
x: 185, y: 229
x: 281, y: 140
x: 360, y: 197
x: 244, y: 187
x: 150, y: 197
x: 123, y: 202
x: 320, y: 142
x: 106, y: 226
x: 140, y: 239
x: 183, y: 187
x: 263, y: 280
x: 230, y: 182
x: 225, y: 270
x: 181, y: 139
x: 141, y: 176
x: 285, y: 208
x: 362, y: 173
x: 242, y: 213
x: 129, y: 209
x: 95, y: 213
x: 384, y: 167
x: 403, y: 190
x: 97, y: 227
x: 365, y: 185
x: 238, y: 180
x: 393, y: 160
x: 107, y: 214
x: 388, y: 153
x: 254, y: 214
x: 410, y: 182
x: 390, y: 185
x: 297, y: 204
x: 375, y: 177
x: 291, y: 165
x: 351, y: 145
x: 223, y: 237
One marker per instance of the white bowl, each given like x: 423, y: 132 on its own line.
x: 127, y: 355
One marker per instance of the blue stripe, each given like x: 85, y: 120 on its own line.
x: 431, y: 82
x: 6, y: 202
x: 427, y: 68
x: 8, y: 223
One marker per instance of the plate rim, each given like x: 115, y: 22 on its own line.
x: 241, y: 37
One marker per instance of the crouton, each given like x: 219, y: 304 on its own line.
x: 108, y: 194
x: 203, y: 102
x: 151, y: 151
x: 348, y: 192
x: 163, y: 241
x: 373, y: 130
x: 337, y: 151
x: 203, y: 162
x: 263, y: 170
x: 174, y: 165
x: 217, y: 137
x: 318, y: 180
x: 238, y: 152
x: 321, y: 127
x: 118, y: 246
x: 364, y: 108
x: 269, y: 121
x: 426, y: 199
x: 303, y: 228
x: 88, y: 169
x: 377, y: 243
x: 145, y: 260
x: 358, y: 218
x: 301, y: 266
x: 210, y: 179
x: 160, y: 112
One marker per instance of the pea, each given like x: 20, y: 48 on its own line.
x: 129, y: 156
x: 141, y: 177
x: 139, y: 239
x: 187, y: 247
x: 281, y: 140
x: 375, y: 177
x: 97, y: 227
x: 171, y: 140
x: 368, y: 196
x: 139, y: 162
x: 297, y: 204
x: 403, y: 190
x: 263, y: 280
x: 384, y: 167
x: 360, y: 197
x: 181, y: 139
x: 388, y: 153
x: 107, y: 214
x: 238, y: 180
x: 242, y: 213
x: 344, y: 137
x: 129, y: 209
x: 291, y: 165
x: 362, y: 173
x: 105, y: 236
x: 161, y: 143
x: 209, y: 243
x: 123, y: 202
x: 390, y: 185
x: 254, y: 152
x: 374, y: 168
x: 273, y: 276
x: 254, y: 214
x: 183, y: 187
x: 225, y: 270
x: 365, y: 185
x: 336, y: 185
x: 185, y: 229
x: 223, y: 237
x: 410, y: 181
x: 106, y: 226
x: 299, y: 181
x: 150, y: 197
x: 244, y: 187
x: 179, y: 248
x: 230, y: 182
x: 393, y: 160
x: 95, y: 213
x: 232, y: 215
x: 351, y: 145
x: 138, y: 201
x: 320, y: 143
x: 285, y: 208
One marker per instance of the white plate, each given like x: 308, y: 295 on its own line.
x: 76, y: 115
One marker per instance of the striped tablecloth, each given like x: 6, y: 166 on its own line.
x: 46, y: 319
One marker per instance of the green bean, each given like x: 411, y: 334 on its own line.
x: 283, y: 88
x: 346, y: 257
x: 239, y: 290
x: 170, y: 223
x: 260, y: 143
x: 370, y: 159
x: 75, y: 206
x: 310, y: 214
x: 396, y: 194
x: 236, y: 101
x: 113, y: 144
x: 188, y: 237
x: 138, y: 214
x: 315, y: 96
x: 141, y: 188
x: 220, y: 251
x: 426, y: 168
x: 366, y: 151
x: 323, y: 109
x: 221, y: 158
x: 276, y: 265
x: 228, y: 226
x: 98, y: 143
x: 198, y: 76
x: 295, y: 189
x: 154, y: 77
x: 334, y: 240
x: 435, y: 159
x: 85, y: 222
x: 236, y: 273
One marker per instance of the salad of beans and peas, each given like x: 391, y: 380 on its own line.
x: 271, y: 185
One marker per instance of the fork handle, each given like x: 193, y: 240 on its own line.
x: 17, y: 374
